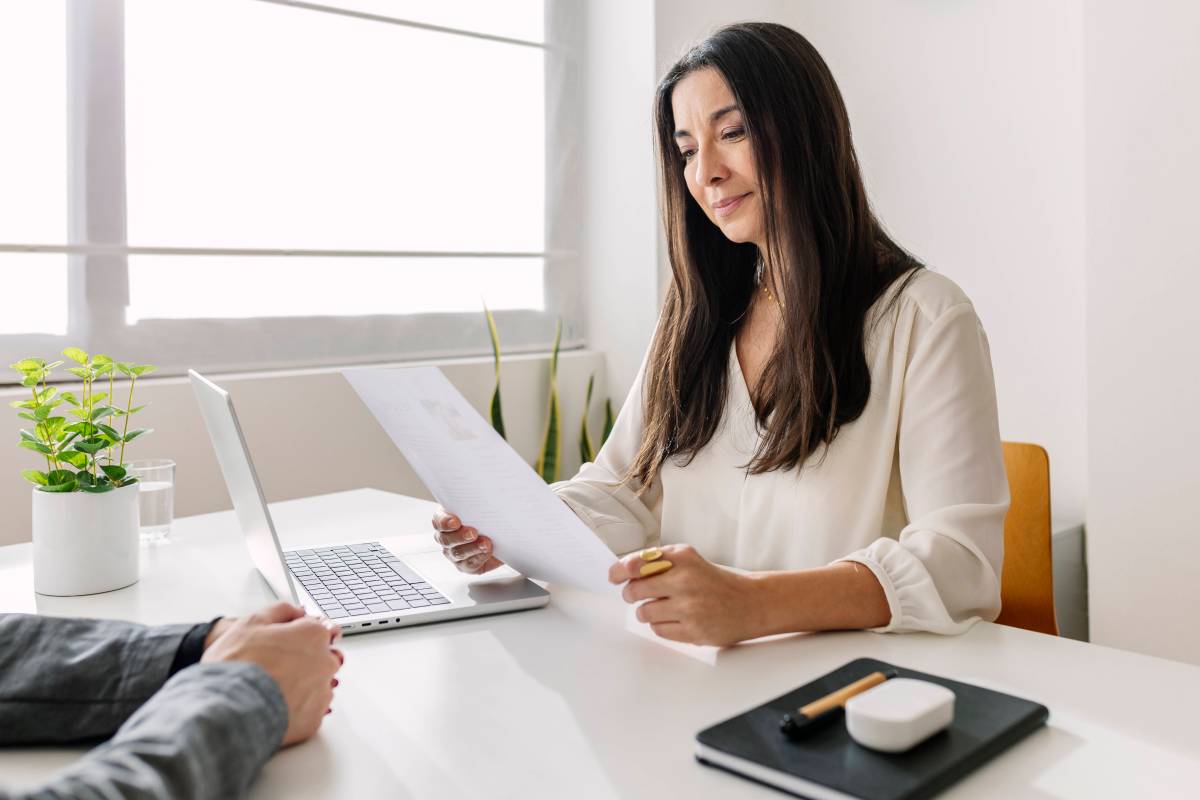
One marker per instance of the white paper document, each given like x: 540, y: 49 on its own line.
x: 475, y: 475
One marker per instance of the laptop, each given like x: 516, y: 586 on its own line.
x: 361, y: 586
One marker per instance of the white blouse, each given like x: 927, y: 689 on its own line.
x: 914, y: 489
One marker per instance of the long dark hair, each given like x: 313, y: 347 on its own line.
x: 830, y: 260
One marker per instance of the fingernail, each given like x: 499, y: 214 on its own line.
x: 471, y: 536
x: 654, y: 568
x: 651, y: 554
x: 454, y: 521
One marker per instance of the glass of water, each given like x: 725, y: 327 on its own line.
x: 156, y: 497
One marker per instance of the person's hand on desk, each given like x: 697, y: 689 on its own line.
x: 465, y: 547
x: 295, y: 650
x: 690, y: 599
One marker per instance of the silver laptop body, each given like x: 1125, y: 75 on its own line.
x: 360, y: 586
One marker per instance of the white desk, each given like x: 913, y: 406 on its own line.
x: 563, y: 702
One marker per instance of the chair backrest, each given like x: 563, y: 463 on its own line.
x: 1027, y: 583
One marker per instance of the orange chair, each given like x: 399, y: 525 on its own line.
x: 1027, y: 582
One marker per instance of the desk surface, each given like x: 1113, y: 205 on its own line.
x: 564, y: 701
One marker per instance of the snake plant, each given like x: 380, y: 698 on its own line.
x: 496, y: 414
x: 550, y: 460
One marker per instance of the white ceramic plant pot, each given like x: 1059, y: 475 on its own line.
x: 85, y: 543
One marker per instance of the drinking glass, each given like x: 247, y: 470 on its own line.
x: 156, y: 498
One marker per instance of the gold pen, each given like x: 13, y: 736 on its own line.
x: 817, y: 712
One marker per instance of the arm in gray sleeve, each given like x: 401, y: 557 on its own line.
x: 205, y: 735
x: 64, y: 680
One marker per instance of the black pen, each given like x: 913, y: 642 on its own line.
x: 810, y: 716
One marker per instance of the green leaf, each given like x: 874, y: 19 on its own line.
x: 33, y: 476
x: 91, y: 446
x: 28, y: 364
x: 99, y: 488
x: 76, y: 355
x: 129, y: 437
x: 70, y: 398
x: 82, y: 373
x: 97, y: 397
x: 102, y: 412
x: 30, y: 381
x: 55, y: 426
x: 143, y: 369
x: 46, y: 395
x: 495, y: 409
x: 28, y: 436
x: 127, y: 482
x: 42, y: 413
x: 103, y: 369
x: 82, y: 428
x: 113, y: 471
x: 102, y: 359
x: 134, y: 410
x: 79, y: 413
x: 68, y: 486
x: 608, y: 421
x: 110, y: 432
x: 28, y: 416
x: 37, y: 447
x: 55, y: 364
x: 586, y: 451
x: 22, y: 404
x: 84, y: 478
x: 75, y: 458
x: 497, y: 413
x: 59, y: 476
x: 550, y: 461
x: 125, y: 367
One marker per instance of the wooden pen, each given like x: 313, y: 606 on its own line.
x: 810, y: 716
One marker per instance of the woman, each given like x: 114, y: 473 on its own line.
x: 816, y: 410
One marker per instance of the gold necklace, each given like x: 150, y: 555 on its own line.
x: 770, y: 296
x: 758, y: 278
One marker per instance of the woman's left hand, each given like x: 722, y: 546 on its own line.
x: 693, y: 601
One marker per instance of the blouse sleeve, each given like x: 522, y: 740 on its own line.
x: 943, y: 572
x: 624, y: 520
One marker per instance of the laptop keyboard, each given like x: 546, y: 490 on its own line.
x: 359, y: 579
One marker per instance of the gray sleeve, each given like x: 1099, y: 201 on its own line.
x: 205, y: 735
x: 64, y: 680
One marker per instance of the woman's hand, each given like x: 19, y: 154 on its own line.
x: 693, y: 601
x: 466, y: 548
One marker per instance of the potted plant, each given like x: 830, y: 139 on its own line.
x: 85, y: 505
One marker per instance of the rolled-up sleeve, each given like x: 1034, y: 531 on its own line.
x: 942, y: 573
x: 624, y: 519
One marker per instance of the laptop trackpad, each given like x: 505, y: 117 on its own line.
x: 502, y: 585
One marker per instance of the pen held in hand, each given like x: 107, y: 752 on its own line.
x: 818, y: 712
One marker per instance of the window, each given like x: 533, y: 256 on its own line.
x: 33, y: 182
x: 260, y: 183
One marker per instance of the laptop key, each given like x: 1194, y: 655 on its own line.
x: 418, y: 603
x: 397, y: 604
x: 438, y: 601
x: 378, y: 606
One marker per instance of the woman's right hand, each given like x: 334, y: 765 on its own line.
x: 466, y: 548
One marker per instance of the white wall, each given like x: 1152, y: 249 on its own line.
x: 622, y: 286
x: 968, y: 121
x: 309, y: 433
x: 1143, y: 170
